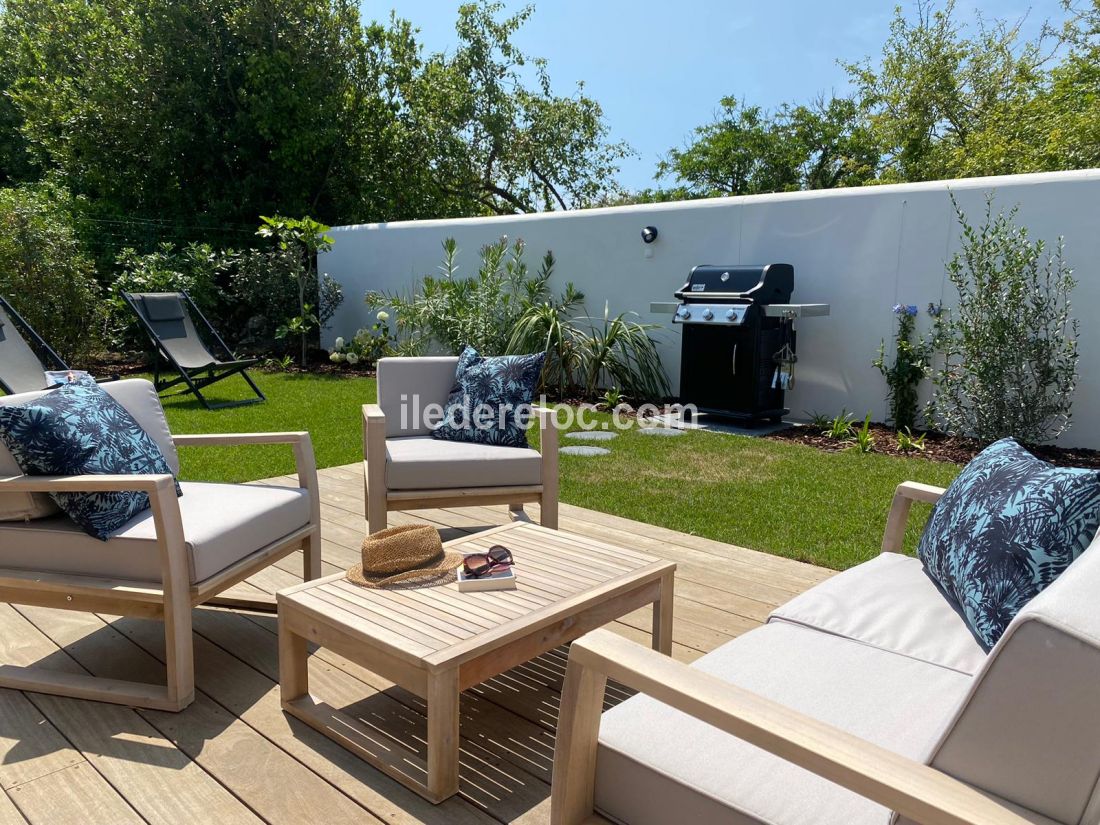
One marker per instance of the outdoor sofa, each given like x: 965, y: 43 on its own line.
x: 865, y: 695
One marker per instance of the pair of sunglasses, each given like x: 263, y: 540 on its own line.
x: 497, y: 559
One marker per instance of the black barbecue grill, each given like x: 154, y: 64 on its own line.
x: 738, y: 343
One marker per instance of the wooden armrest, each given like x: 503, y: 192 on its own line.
x: 548, y: 429
x: 915, y: 491
x: 305, y: 463
x: 912, y: 789
x: 234, y: 439
x: 372, y: 413
x: 906, y: 493
x: 145, y: 483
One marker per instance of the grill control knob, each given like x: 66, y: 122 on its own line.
x: 684, y: 313
x: 731, y: 315
x: 707, y: 314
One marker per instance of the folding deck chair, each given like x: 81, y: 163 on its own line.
x: 169, y: 320
x: 22, y: 369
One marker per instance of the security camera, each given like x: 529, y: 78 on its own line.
x: 649, y: 234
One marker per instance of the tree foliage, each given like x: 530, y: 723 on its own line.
x: 747, y: 150
x: 184, y: 121
x: 943, y: 100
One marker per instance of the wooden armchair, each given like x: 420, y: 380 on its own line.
x: 405, y: 468
x: 917, y: 791
x: 184, y: 551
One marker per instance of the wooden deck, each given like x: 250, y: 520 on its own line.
x: 234, y: 756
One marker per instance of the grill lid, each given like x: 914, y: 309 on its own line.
x: 767, y: 284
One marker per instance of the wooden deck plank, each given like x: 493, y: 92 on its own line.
x: 76, y: 795
x: 155, y: 766
x: 9, y: 814
x: 277, y: 787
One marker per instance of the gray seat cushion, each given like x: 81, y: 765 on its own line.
x: 890, y: 603
x: 657, y: 765
x: 426, y: 463
x: 222, y: 524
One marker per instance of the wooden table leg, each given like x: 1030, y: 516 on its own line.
x: 443, y: 698
x: 662, y: 616
x: 293, y: 663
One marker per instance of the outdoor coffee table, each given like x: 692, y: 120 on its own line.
x: 437, y: 641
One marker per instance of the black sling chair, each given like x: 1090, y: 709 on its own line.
x: 169, y: 319
x: 22, y: 369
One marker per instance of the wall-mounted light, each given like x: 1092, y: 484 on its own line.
x: 649, y: 234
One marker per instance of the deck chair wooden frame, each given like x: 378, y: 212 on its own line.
x: 33, y: 344
x: 199, y: 376
x: 173, y: 600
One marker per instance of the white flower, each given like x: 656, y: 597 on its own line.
x: 353, y: 358
x: 340, y: 357
x: 334, y: 357
x: 339, y: 344
x: 382, y: 315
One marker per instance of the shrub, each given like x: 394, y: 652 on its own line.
x: 481, y: 311
x: 547, y: 326
x: 263, y: 286
x: 44, y: 272
x: 367, y: 346
x: 197, y: 269
x: 620, y: 350
x: 301, y: 239
x: 504, y: 309
x: 910, y: 367
x: 1010, y: 346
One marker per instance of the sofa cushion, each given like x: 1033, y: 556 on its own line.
x: 222, y: 523
x: 657, y: 765
x: 408, y: 386
x: 490, y: 402
x: 1029, y: 731
x: 138, y: 396
x: 890, y: 603
x: 426, y: 463
x: 79, y: 429
x: 1004, y: 530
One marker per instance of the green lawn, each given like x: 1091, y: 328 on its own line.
x: 787, y: 499
x: 329, y: 407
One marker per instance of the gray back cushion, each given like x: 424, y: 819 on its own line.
x: 407, y: 385
x: 1029, y: 731
x: 137, y: 395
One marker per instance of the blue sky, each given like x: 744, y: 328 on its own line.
x: 659, y: 67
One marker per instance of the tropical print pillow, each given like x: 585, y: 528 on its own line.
x: 490, y: 401
x: 78, y: 429
x: 1004, y: 530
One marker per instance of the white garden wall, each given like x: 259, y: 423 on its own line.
x: 860, y: 250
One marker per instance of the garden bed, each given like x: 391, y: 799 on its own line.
x: 937, y: 447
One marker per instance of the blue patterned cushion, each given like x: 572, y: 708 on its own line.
x: 79, y: 429
x: 504, y: 385
x: 1004, y: 530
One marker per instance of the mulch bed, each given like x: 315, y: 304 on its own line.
x: 937, y: 447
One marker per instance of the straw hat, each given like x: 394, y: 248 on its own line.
x: 400, y: 554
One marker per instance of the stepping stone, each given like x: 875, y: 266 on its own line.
x: 592, y: 435
x: 669, y: 431
x: 584, y: 451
